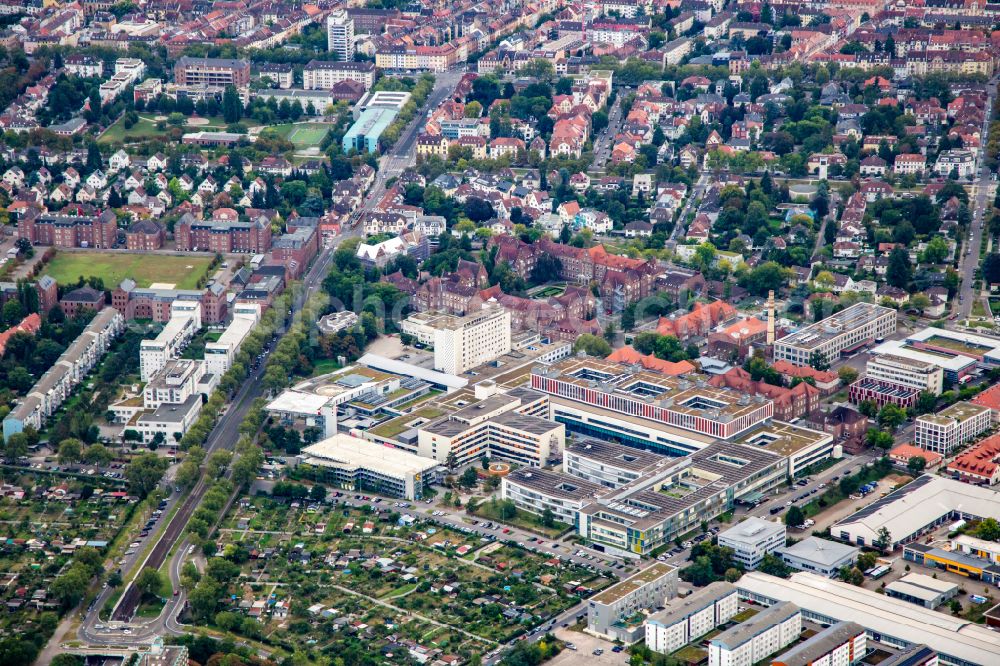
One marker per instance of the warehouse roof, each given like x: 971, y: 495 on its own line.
x: 954, y: 637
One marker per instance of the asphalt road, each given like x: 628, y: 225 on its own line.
x: 693, y: 198
x: 970, y: 261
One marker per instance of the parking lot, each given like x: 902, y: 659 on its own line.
x: 585, y: 646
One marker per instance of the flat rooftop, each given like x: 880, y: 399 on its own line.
x: 955, y: 637
x: 819, y: 645
x: 676, y: 610
x: 612, y: 453
x: 821, y: 551
x: 626, y: 587
x: 950, y: 362
x: 396, y: 426
x: 849, y: 319
x: 695, y: 398
x: 714, y: 470
x: 353, y: 453
x: 959, y: 341
x: 785, y: 439
x: 335, y: 383
x: 960, y: 411
x: 555, y: 484
x: 767, y: 618
x: 752, y: 530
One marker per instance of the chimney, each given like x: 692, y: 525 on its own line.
x: 770, y: 317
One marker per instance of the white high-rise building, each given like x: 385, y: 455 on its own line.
x: 340, y: 35
x: 462, y: 343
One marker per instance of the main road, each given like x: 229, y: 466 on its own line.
x: 981, y: 190
x: 226, y: 432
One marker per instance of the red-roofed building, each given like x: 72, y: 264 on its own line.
x: 630, y: 355
x: 699, y: 321
x: 827, y: 382
x: 902, y: 453
x: 980, y: 464
x: 28, y: 325
x: 735, y: 340
x: 789, y: 404
x: 990, y: 398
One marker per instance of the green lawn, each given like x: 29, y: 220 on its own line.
x: 113, y: 267
x: 304, y: 135
x: 146, y: 129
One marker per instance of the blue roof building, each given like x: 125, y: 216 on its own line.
x: 364, y: 134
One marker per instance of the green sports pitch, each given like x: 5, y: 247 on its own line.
x: 307, y: 135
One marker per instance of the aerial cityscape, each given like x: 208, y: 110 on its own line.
x: 453, y: 333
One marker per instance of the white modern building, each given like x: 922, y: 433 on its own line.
x: 750, y: 642
x: 313, y: 403
x: 219, y: 355
x: 609, y: 610
x: 892, y: 622
x: 685, y: 620
x: 535, y: 490
x: 323, y: 75
x: 752, y: 539
x: 340, y: 35
x: 501, y: 426
x: 183, y: 325
x: 820, y: 556
x: 355, y: 464
x: 909, y: 372
x: 176, y: 381
x: 170, y: 420
x: 951, y: 427
x: 860, y: 324
x: 463, y: 343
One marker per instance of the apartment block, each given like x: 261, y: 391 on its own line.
x: 219, y: 355
x: 222, y: 236
x: 752, y: 539
x: 183, y: 325
x: 685, y: 620
x: 91, y: 231
x: 69, y: 370
x: 323, y: 75
x: 155, y: 304
x: 951, y: 427
x: 217, y: 72
x: 340, y: 34
x: 840, y: 644
x: 852, y: 328
x: 609, y: 610
x: 762, y: 635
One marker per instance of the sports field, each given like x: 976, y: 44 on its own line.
x: 113, y: 267
x: 305, y: 135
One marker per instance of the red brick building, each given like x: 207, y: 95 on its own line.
x: 98, y: 231
x: 222, y: 236
x: 145, y: 235
x: 145, y: 303
x: 82, y: 299
x: 296, y: 248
